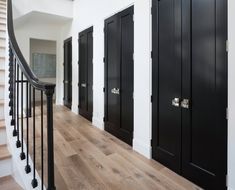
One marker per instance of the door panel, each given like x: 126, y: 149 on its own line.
x: 112, y: 74
x: 68, y: 73
x: 167, y: 82
x: 82, y: 72
x: 119, y: 48
x: 193, y: 34
x: 86, y: 73
x: 204, y: 139
x: 90, y: 71
x: 127, y: 75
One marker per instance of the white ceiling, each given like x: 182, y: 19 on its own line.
x: 41, y: 18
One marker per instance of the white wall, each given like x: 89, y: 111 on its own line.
x: 45, y: 32
x: 93, y: 14
x: 231, y: 95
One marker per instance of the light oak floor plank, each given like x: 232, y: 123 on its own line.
x: 87, y: 158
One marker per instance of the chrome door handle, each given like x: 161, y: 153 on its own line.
x: 83, y: 85
x: 176, y: 102
x: 115, y: 91
x: 185, y: 103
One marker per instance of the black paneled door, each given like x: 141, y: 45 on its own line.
x: 68, y: 72
x: 190, y: 89
x: 86, y: 73
x: 119, y: 49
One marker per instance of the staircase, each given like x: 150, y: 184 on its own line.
x: 6, y: 181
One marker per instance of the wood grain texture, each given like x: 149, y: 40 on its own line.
x: 87, y: 158
x: 8, y: 183
x: 4, y: 152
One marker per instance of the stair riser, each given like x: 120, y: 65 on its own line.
x: 2, y: 64
x: 2, y: 26
x: 1, y: 111
x: 6, y: 167
x: 2, y: 92
x: 2, y: 14
x: 2, y: 34
x: 2, y: 52
x: 2, y: 77
x: 3, y: 136
x: 3, y: 20
x: 2, y: 41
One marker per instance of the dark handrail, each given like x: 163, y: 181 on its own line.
x: 17, y: 60
x: 33, y: 80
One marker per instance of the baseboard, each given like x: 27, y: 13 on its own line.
x: 143, y: 148
x: 74, y: 109
x: 97, y: 122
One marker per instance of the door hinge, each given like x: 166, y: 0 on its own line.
x: 151, y: 142
x: 104, y: 59
x: 227, y: 113
x: 104, y: 29
x: 78, y: 62
x: 151, y: 54
x: 227, y: 45
x: 227, y: 181
x: 104, y: 89
x: 103, y: 119
x: 151, y: 98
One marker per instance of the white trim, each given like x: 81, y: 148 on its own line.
x: 98, y: 123
x: 142, y: 147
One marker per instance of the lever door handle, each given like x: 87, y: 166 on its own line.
x: 176, y: 102
x: 83, y: 85
x: 115, y: 91
x: 185, y: 103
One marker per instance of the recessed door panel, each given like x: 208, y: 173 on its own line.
x: 119, y: 43
x: 204, y: 139
x: 86, y: 73
x: 112, y: 74
x: 193, y: 34
x: 167, y: 82
x: 68, y: 73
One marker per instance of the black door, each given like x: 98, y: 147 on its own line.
x: 68, y: 73
x: 190, y: 89
x: 86, y: 73
x: 119, y: 49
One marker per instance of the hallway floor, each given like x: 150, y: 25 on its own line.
x: 87, y: 158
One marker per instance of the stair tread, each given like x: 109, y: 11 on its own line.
x: 8, y: 183
x: 4, y: 152
x: 2, y: 124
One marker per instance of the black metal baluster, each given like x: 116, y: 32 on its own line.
x: 22, y: 154
x: 18, y: 143
x: 14, y: 98
x: 42, y: 165
x: 34, y: 181
x: 30, y: 102
x: 27, y: 167
x: 50, y: 140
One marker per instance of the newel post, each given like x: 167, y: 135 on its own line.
x: 50, y: 140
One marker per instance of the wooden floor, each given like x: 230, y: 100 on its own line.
x: 87, y: 158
